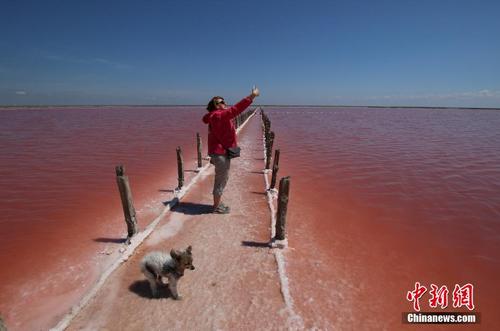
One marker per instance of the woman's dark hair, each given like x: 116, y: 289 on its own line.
x: 212, y: 104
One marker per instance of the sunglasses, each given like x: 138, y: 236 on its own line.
x: 221, y: 101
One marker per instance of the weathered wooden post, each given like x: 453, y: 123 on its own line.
x: 127, y: 202
x: 266, y: 123
x: 271, y: 143
x: 267, y: 129
x: 282, y: 208
x: 2, y: 324
x: 269, y: 149
x: 275, y: 168
x: 198, y: 146
x: 180, y: 168
x: 266, y: 144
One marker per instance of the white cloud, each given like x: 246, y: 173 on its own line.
x: 488, y: 93
x: 456, y: 95
x: 21, y: 92
x: 68, y: 59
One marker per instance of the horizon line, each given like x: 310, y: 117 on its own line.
x: 260, y: 105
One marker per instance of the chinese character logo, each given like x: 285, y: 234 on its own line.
x: 439, y: 296
x: 463, y: 296
x: 415, y: 295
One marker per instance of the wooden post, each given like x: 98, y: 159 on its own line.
x: 282, y: 208
x: 180, y: 168
x: 275, y: 168
x: 269, y: 149
x: 3, y: 327
x: 198, y: 146
x: 267, y: 129
x: 268, y: 157
x: 271, y: 143
x: 127, y: 202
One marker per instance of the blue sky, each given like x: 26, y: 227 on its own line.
x: 420, y: 53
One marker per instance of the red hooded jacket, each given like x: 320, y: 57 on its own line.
x: 221, y: 131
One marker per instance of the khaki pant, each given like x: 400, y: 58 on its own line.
x: 222, y: 164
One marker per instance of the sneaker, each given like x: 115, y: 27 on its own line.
x: 222, y: 209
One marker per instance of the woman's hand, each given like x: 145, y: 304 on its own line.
x: 255, y: 92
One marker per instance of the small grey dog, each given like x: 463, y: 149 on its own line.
x: 156, y: 265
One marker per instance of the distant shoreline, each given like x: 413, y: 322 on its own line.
x: 261, y: 105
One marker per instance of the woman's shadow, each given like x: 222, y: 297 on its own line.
x: 190, y: 208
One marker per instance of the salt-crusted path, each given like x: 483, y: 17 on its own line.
x: 236, y: 283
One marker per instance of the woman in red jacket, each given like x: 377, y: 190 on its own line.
x: 221, y: 136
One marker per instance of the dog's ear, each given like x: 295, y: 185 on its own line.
x: 174, y: 254
x: 189, y: 249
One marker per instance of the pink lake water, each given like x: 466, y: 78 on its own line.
x: 383, y: 198
x: 380, y: 199
x: 61, y: 211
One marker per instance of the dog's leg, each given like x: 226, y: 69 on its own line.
x: 172, y: 286
x: 153, y: 282
x: 154, y: 288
